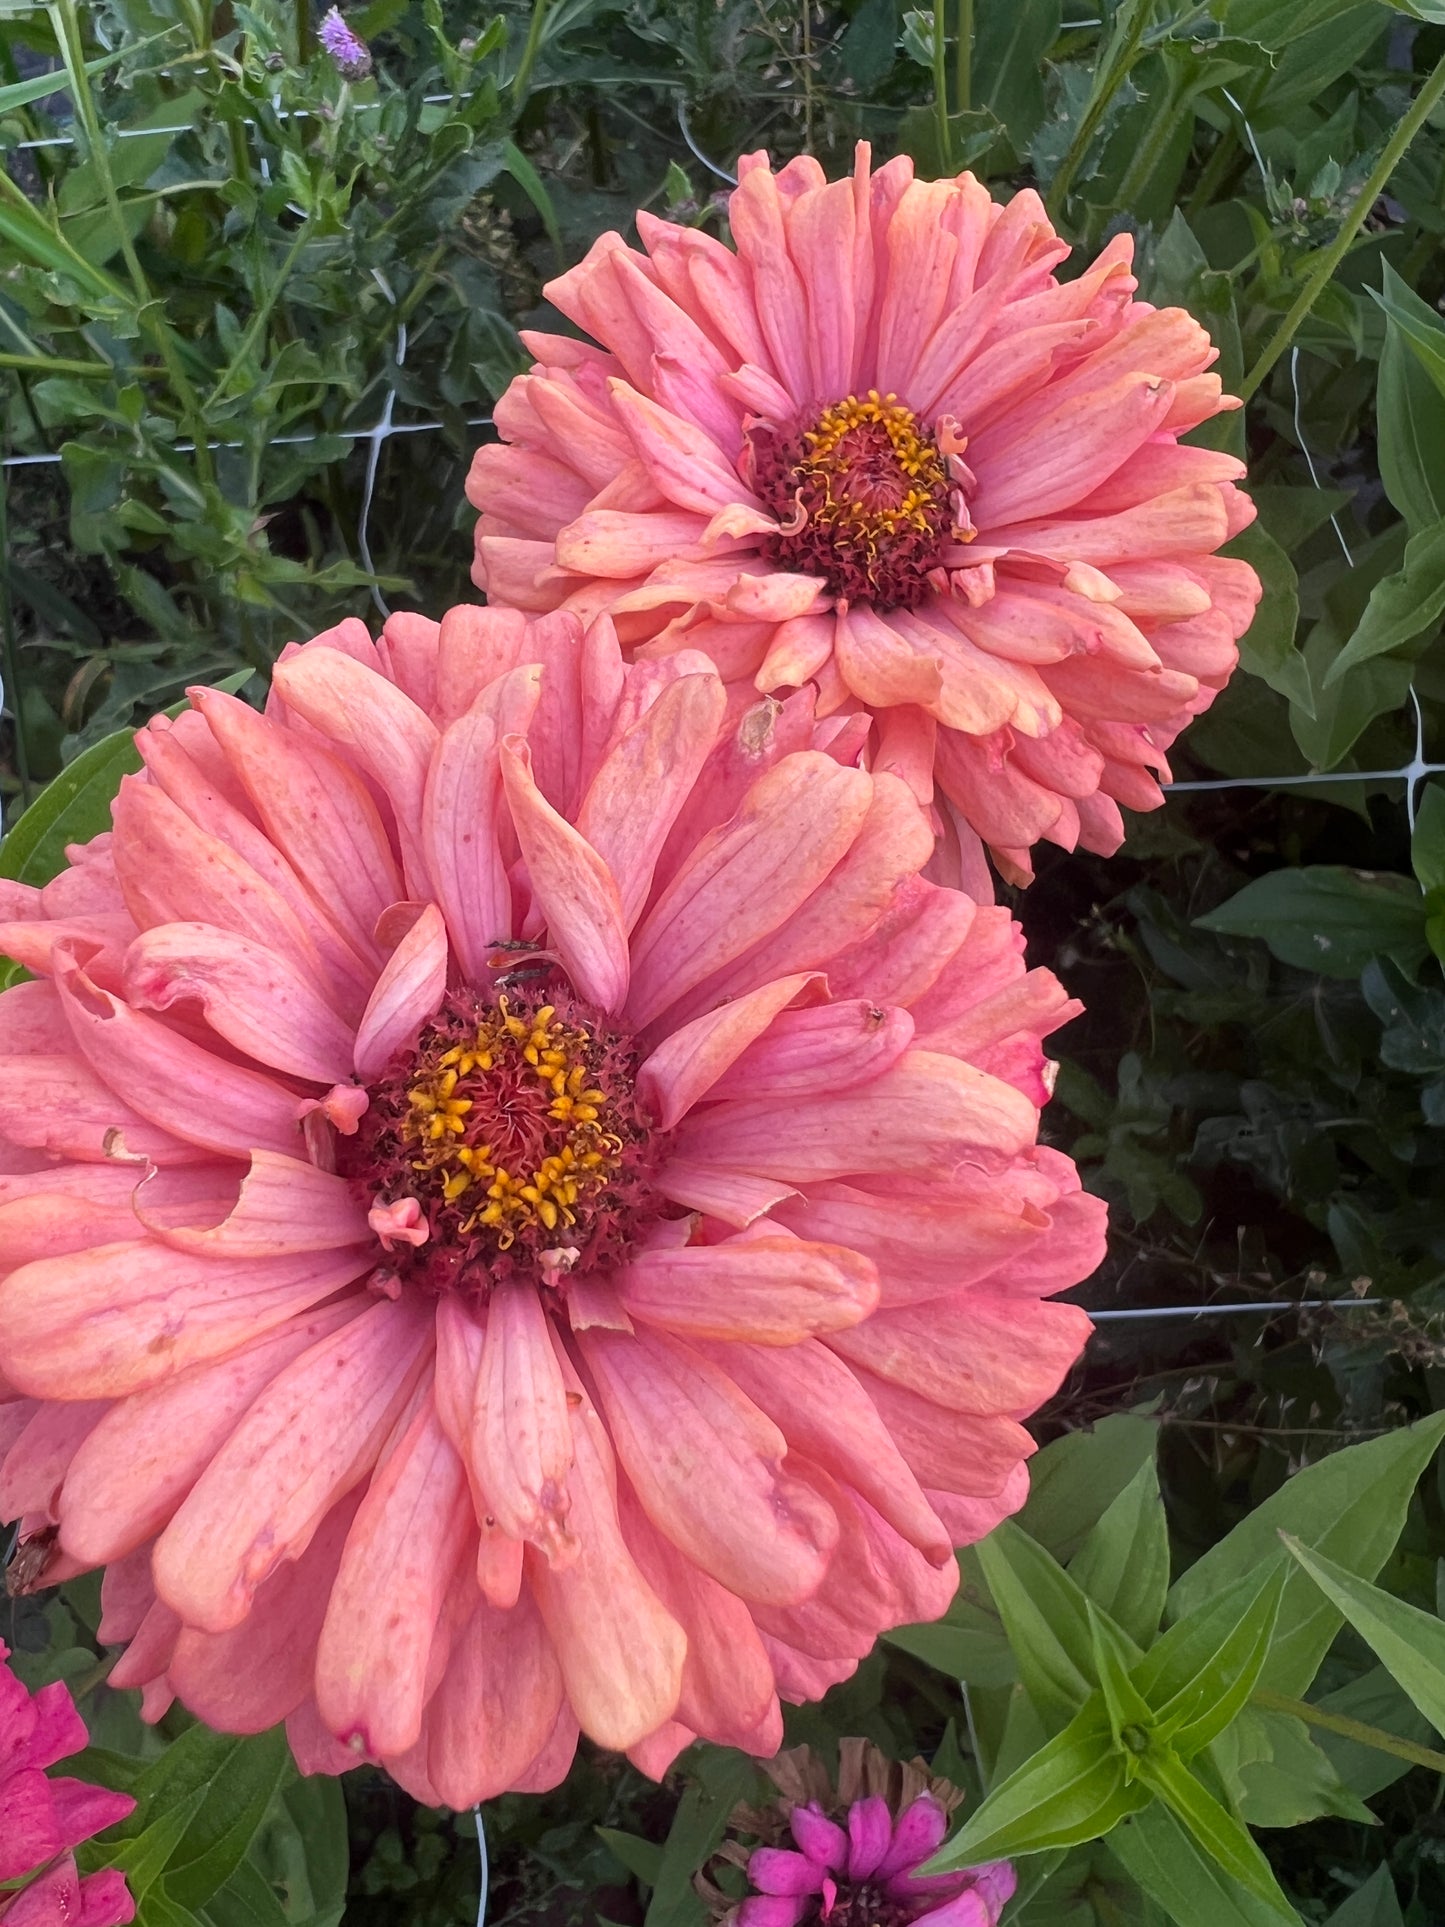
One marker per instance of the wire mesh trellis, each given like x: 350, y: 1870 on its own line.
x: 385, y: 428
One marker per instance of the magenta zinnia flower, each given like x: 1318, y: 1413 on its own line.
x: 43, y: 1819
x: 525, y: 1207
x: 863, y: 1872
x: 882, y: 449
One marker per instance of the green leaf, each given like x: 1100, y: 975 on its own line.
x: 1267, y: 648
x: 1373, y: 1700
x: 1202, y: 1672
x: 1046, y: 1616
x: 721, y: 1778
x: 640, y: 1857
x: 1222, y: 1836
x: 1420, y: 327
x: 1161, y: 1854
x: 1409, y: 1643
x: 1008, y: 64
x: 1326, y: 918
x: 1070, y: 1791
x: 1075, y: 1479
x: 1376, y: 1904
x: 1351, y: 1507
x: 1410, y: 415
x: 72, y: 809
x: 1405, y: 605
x: 1277, y: 1774
x: 1131, y: 1717
x: 1123, y: 1565
x: 531, y: 184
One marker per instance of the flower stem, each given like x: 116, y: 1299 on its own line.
x: 1374, y: 187
x: 940, y: 88
x: 1348, y: 1729
x: 963, y: 59
x: 530, y: 49
x: 1106, y: 85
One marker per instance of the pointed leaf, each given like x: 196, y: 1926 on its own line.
x: 1075, y: 1479
x: 1408, y: 1642
x: 1072, y: 1790
x: 1376, y: 1904
x: 1130, y: 1715
x: 1226, y: 1840
x: 1159, y: 1852
x: 1351, y: 1507
x: 1123, y: 1565
x: 1231, y: 1648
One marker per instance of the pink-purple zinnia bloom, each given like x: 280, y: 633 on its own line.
x: 346, y: 47
x: 43, y: 1819
x: 865, y: 1873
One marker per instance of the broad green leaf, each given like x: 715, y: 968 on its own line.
x: 302, y: 1849
x: 1046, y: 1617
x: 1229, y: 1648
x: 1326, y: 918
x: 1267, y: 648
x: 639, y: 1856
x: 1225, y: 1839
x: 1410, y: 1644
x: 1278, y: 1776
x: 1405, y: 605
x: 1123, y: 1565
x: 1351, y: 1507
x: 246, y: 1900
x: 72, y: 809
x: 1008, y: 64
x: 1072, y: 1790
x: 1194, y: 1890
x: 1074, y: 1480
x: 240, y: 1778
x: 1376, y: 1904
x: 722, y: 1777
x: 1410, y: 416
x: 1420, y: 327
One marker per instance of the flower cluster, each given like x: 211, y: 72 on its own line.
x: 520, y: 1185
x: 883, y: 451
x: 43, y: 1819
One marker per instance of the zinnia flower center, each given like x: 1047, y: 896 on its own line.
x: 864, y: 1905
x: 510, y: 1140
x: 865, y: 499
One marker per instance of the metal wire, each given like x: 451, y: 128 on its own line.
x: 486, y: 1867
x: 1250, y: 1309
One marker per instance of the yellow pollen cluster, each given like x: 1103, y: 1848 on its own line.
x: 828, y: 458
x: 528, y: 1073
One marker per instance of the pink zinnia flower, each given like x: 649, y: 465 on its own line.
x: 43, y: 1819
x: 525, y: 1209
x: 882, y: 449
x: 863, y: 1872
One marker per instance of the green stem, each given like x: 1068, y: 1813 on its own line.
x: 940, y: 88
x: 12, y: 661
x: 53, y: 365
x: 1212, y: 175
x: 259, y: 319
x: 1095, y: 109
x: 1394, y: 153
x: 1149, y: 151
x: 303, y: 32
x: 1349, y: 1729
x: 150, y: 317
x: 530, y: 49
x: 963, y: 59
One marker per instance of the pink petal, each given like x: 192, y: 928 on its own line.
x: 621, y: 1652
x: 371, y: 1664
x: 141, y: 1460
x: 706, y: 1465
x: 746, y: 878
x: 766, y: 1290
x: 177, y: 1085
x: 880, y: 662
x: 635, y: 796
x: 254, y: 998
x: 575, y: 890
x: 520, y: 1439
x: 312, y: 1433
x: 870, y: 1830
x: 284, y: 1205
x: 827, y: 1048
x: 408, y: 991
x: 777, y: 1870
x: 496, y: 1706
x: 113, y: 1320
x: 460, y: 825
x: 980, y: 1351
x: 689, y: 1062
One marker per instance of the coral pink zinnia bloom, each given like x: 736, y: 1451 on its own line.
x: 883, y: 449
x: 526, y: 1209
x: 43, y: 1819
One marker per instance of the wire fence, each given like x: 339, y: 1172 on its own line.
x: 387, y: 428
